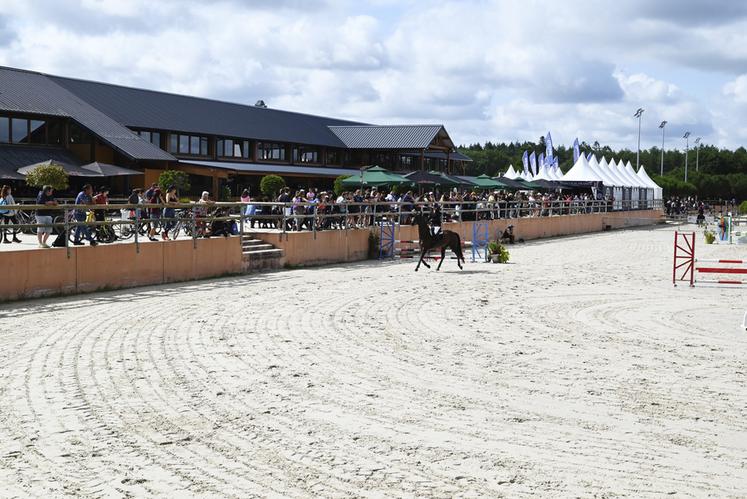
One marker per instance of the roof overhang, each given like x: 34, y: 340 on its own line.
x: 267, y: 168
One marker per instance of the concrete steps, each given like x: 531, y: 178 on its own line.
x: 258, y: 255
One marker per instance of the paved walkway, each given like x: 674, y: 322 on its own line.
x: 577, y: 370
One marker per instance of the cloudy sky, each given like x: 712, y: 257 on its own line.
x: 489, y: 70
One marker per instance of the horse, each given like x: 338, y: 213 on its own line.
x: 445, y: 240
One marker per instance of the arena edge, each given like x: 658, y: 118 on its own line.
x: 49, y: 272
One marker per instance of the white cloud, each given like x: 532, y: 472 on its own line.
x: 488, y: 70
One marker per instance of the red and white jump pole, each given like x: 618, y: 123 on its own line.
x: 685, y: 263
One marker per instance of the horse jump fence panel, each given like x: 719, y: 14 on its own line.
x: 390, y: 247
x: 685, y: 264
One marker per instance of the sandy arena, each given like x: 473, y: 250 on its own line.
x: 577, y: 370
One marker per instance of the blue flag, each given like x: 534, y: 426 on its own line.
x: 576, y: 151
x: 588, y: 156
x: 548, y: 147
x: 525, y: 161
x: 541, y: 161
x: 533, y: 163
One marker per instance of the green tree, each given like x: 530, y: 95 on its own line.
x: 174, y: 177
x: 270, y: 185
x: 48, y: 174
x: 338, y: 187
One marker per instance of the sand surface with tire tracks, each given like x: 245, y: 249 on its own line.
x: 577, y: 369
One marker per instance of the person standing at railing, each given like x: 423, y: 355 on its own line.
x: 44, y: 217
x: 102, y: 199
x: 155, y: 198
x: 169, y: 213
x: 8, y: 216
x: 83, y: 198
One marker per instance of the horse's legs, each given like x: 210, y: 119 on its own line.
x: 443, y: 255
x: 421, y: 260
x: 457, y: 249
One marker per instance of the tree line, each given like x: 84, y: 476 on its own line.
x: 721, y: 173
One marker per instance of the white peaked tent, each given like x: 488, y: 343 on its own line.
x: 631, y: 182
x: 656, y: 191
x: 511, y: 173
x: 526, y: 175
x: 582, y: 172
x: 611, y: 170
x: 612, y: 184
x: 556, y: 172
x: 623, y: 191
x: 632, y: 175
x: 543, y: 174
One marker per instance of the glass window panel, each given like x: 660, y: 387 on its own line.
x: 55, y: 132
x: 228, y: 147
x: 194, y: 145
x: 236, y: 150
x: 203, y: 146
x: 184, y: 144
x: 173, y: 142
x: 155, y: 138
x: 246, y: 150
x: 38, y: 133
x: 20, y: 131
x: 4, y: 129
x: 219, y: 147
x: 145, y: 135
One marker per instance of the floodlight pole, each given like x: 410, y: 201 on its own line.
x: 687, y: 147
x: 638, y: 115
x: 663, y: 124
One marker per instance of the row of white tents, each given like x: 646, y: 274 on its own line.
x: 620, y: 180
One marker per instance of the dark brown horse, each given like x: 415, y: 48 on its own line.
x: 443, y: 241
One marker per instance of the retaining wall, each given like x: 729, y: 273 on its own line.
x: 44, y: 272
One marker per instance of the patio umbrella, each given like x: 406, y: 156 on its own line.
x: 511, y: 183
x: 107, y: 170
x: 424, y: 178
x: 485, y: 182
x: 375, y: 176
x: 71, y: 170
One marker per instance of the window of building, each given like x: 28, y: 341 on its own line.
x: 184, y: 144
x: 19, y: 131
x: 4, y: 129
x: 78, y: 135
x: 152, y: 137
x: 305, y: 154
x: 234, y: 148
x: 55, y: 132
x: 37, y: 132
x: 334, y: 157
x: 271, y: 151
x: 405, y: 161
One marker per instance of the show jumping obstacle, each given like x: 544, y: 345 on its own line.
x: 390, y: 247
x: 685, y: 265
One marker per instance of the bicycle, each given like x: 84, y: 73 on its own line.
x: 26, y: 218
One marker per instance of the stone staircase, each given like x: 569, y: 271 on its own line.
x: 259, y: 255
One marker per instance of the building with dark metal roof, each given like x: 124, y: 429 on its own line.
x: 75, y: 121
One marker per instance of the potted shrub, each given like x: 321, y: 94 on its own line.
x: 709, y: 236
x: 497, y: 252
